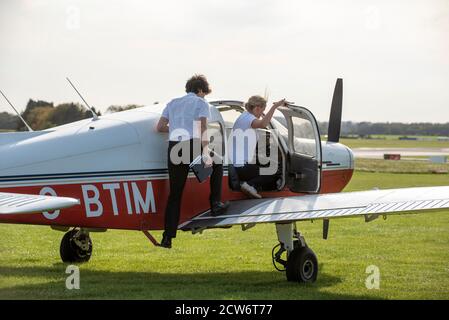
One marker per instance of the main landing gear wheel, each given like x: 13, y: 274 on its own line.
x: 302, y: 265
x: 76, y: 246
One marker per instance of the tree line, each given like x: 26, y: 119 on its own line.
x: 42, y: 115
x: 390, y: 128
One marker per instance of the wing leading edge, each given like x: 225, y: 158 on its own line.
x: 326, y: 206
x: 15, y: 203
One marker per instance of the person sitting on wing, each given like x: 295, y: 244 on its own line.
x: 243, y: 156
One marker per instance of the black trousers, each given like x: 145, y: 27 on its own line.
x: 250, y: 173
x: 178, y: 175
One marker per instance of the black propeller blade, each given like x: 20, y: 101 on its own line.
x: 333, y: 132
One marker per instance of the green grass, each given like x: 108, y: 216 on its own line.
x: 400, y: 166
x: 393, y: 143
x: 412, y: 252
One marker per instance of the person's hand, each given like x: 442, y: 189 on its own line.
x: 207, y: 160
x: 282, y: 102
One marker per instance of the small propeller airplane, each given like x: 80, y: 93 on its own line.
x: 110, y: 172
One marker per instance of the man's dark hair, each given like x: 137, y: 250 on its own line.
x: 196, y: 83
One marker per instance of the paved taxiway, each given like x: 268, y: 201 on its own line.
x: 405, y: 152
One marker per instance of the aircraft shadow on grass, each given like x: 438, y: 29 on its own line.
x: 99, y: 284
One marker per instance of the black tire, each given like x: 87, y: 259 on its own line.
x: 302, y: 265
x: 70, y: 252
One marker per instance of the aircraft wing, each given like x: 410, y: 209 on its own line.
x: 15, y: 203
x: 369, y: 204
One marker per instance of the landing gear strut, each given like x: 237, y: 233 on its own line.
x: 76, y: 246
x: 301, y: 264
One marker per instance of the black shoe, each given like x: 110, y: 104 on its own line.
x: 219, y: 208
x: 166, y: 242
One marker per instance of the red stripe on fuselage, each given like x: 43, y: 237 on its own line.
x: 147, y: 196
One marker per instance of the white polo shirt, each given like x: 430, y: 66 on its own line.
x: 243, y: 140
x: 183, y: 115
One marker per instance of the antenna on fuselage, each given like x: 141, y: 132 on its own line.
x: 266, y: 94
x: 23, y: 120
x: 85, y: 102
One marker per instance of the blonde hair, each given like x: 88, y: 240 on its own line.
x: 255, y: 101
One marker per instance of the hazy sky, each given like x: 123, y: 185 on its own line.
x: 393, y: 55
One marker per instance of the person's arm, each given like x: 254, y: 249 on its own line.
x: 203, y: 115
x: 205, y: 142
x: 263, y: 123
x: 162, y: 125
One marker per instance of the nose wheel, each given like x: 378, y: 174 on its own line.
x: 301, y: 264
x: 76, y: 246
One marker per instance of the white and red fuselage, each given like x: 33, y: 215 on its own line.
x: 117, y: 167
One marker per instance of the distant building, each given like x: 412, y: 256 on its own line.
x: 390, y: 156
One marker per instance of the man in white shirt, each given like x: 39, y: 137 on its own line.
x: 187, y: 117
x: 244, y: 146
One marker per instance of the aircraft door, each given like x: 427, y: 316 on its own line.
x: 304, y: 154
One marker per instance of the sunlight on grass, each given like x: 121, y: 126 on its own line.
x: 400, y: 166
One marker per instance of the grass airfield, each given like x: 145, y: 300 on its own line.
x: 411, y: 251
